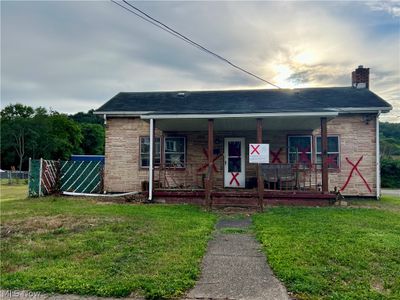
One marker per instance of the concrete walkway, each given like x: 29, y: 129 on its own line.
x: 235, y: 268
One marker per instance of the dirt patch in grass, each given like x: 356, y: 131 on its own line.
x: 235, y: 212
x: 134, y: 199
x: 378, y: 286
x: 54, y: 224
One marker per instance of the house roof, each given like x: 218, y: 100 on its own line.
x: 332, y: 99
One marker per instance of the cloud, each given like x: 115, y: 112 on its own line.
x: 390, y: 7
x: 76, y: 55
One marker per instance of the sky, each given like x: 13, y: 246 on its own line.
x: 75, y: 55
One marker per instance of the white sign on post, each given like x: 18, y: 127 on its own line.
x: 259, y: 153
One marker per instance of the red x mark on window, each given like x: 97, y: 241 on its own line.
x: 331, y: 161
x: 275, y: 156
x: 304, y: 157
x: 234, y: 178
x: 355, y: 169
x: 254, y: 149
x: 203, y: 167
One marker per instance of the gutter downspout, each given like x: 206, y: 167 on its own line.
x: 378, y: 159
x: 104, y: 166
x: 151, y: 164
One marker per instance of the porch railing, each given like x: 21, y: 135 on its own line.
x: 292, y: 176
x: 276, y: 177
x: 187, y: 176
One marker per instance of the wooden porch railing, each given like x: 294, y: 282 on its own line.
x: 185, y: 176
x: 276, y: 177
x: 208, y: 186
x: 292, y: 176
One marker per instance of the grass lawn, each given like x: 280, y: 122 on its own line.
x: 82, y: 247
x: 334, y: 253
x: 13, y: 192
x: 386, y: 202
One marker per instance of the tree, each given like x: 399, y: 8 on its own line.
x: 390, y: 169
x: 93, y: 138
x: 28, y: 132
x: 38, y: 132
x: 41, y: 112
x: 92, y: 127
x: 64, y: 136
x: 15, y: 128
x: 390, y: 130
x: 17, y: 110
x: 14, y: 138
x: 390, y: 139
x: 88, y: 117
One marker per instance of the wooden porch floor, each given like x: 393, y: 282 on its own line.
x: 245, y: 197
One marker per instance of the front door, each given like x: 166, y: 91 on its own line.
x: 234, y: 163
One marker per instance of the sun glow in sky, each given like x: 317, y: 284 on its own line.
x: 285, y: 68
x: 283, y: 72
x: 306, y: 57
x: 75, y: 55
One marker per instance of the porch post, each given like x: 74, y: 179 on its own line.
x: 260, y: 179
x: 151, y: 158
x: 209, y: 175
x: 324, y: 152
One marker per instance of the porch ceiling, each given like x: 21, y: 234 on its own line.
x: 246, y: 123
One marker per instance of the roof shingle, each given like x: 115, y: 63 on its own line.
x: 245, y: 101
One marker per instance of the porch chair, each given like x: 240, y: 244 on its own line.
x: 304, y: 177
x: 270, y: 174
x: 286, y: 176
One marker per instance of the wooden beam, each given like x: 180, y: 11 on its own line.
x: 324, y: 152
x: 260, y: 179
x: 209, y: 175
x: 210, y: 142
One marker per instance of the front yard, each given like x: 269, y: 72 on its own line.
x: 83, y: 247
x: 335, y: 253
x: 68, y: 245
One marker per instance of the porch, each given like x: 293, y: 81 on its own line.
x: 244, y: 198
x: 284, y: 184
x: 213, y: 169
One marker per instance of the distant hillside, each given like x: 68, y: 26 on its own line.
x: 390, y: 154
x: 390, y: 139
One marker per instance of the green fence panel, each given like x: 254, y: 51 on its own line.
x: 70, y: 176
x: 81, y: 176
x: 34, y: 178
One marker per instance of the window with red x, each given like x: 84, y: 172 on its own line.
x: 300, y: 150
x: 333, y: 151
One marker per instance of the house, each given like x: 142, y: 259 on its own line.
x: 196, y: 143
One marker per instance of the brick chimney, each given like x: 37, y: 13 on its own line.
x: 360, y: 78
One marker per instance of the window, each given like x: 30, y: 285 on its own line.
x: 145, y: 152
x: 175, y: 152
x: 299, y: 149
x: 333, y: 151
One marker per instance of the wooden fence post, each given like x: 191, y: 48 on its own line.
x: 260, y: 179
